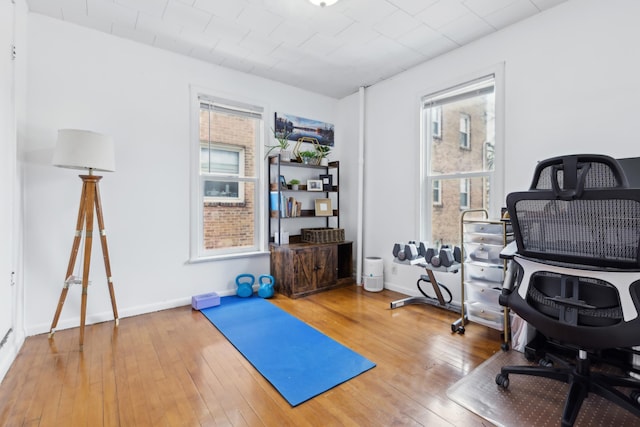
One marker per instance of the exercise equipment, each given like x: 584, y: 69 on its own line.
x: 244, y: 283
x: 265, y: 286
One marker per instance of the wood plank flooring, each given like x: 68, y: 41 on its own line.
x: 173, y: 368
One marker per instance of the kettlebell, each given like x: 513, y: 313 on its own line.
x: 265, y: 289
x: 245, y: 287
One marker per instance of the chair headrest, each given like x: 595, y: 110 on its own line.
x: 568, y: 176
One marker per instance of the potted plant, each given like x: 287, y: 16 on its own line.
x: 283, y: 145
x: 322, y: 152
x: 294, y: 184
x: 309, y: 157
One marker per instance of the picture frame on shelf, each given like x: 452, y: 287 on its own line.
x: 283, y: 183
x: 327, y: 182
x: 323, y: 207
x: 314, y: 185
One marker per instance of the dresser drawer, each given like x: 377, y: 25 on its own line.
x: 486, y: 238
x: 484, y: 314
x: 483, y: 227
x: 483, y: 252
x: 483, y: 292
x: 491, y: 273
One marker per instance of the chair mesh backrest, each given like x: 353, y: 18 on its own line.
x: 599, y: 175
x: 595, y: 221
x: 590, y: 229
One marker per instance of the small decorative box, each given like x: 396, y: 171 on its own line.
x: 198, y: 302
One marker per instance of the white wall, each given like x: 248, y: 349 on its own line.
x: 80, y: 78
x: 572, y: 86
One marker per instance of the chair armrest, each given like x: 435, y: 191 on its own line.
x: 509, y: 251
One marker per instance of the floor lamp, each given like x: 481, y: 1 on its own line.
x: 85, y: 150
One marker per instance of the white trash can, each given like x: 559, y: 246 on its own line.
x: 373, y: 274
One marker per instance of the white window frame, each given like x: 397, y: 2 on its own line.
x: 213, y: 176
x: 425, y: 189
x: 436, y: 122
x: 465, y: 131
x: 197, y: 253
x: 465, y: 190
x: 436, y: 186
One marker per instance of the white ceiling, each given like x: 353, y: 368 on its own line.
x: 332, y: 50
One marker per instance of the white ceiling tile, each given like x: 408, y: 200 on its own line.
x: 437, y: 47
x: 185, y: 16
x: 419, y: 37
x: 103, y: 10
x: 258, y: 44
x: 369, y: 12
x: 291, y: 33
x: 221, y: 8
x: 259, y: 20
x: 328, y: 24
x: 357, y: 33
x: 320, y: 45
x: 297, y: 10
x: 412, y: 7
x: 132, y: 34
x: 485, y: 7
x: 515, y: 12
x: 466, y: 29
x: 150, y: 7
x: 546, y: 4
x: 46, y: 7
x: 155, y: 25
x: 442, y: 13
x: 397, y: 24
x: 81, y: 18
x: 225, y: 29
x: 198, y: 38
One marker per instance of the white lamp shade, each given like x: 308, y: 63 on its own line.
x: 83, y: 149
x: 323, y: 3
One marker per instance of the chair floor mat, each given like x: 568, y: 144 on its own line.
x: 529, y: 401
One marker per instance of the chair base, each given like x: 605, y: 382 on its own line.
x: 582, y: 381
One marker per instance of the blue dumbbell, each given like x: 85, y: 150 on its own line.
x: 245, y: 287
x: 265, y: 289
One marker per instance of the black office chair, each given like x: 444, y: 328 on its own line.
x: 575, y: 273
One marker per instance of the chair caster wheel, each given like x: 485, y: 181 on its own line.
x: 635, y: 396
x: 502, y: 380
x: 529, y: 354
x: 546, y: 363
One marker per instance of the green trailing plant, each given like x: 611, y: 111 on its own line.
x: 308, y: 154
x: 283, y: 142
x: 322, y: 151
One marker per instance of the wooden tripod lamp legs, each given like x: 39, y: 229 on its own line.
x: 89, y: 200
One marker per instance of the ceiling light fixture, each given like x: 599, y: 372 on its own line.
x: 323, y: 3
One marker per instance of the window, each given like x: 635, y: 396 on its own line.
x: 437, y: 192
x: 216, y: 160
x: 464, y: 193
x: 227, y: 198
x: 436, y: 122
x: 456, y: 178
x: 465, y: 133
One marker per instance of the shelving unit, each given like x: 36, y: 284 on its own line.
x: 300, y: 170
x: 301, y: 268
x: 483, y: 271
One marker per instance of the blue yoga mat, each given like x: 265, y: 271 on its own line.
x: 298, y: 360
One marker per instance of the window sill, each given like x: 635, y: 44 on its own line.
x: 227, y: 257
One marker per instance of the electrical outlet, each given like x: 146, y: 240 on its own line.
x: 394, y: 269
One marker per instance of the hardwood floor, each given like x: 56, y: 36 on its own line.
x: 173, y: 368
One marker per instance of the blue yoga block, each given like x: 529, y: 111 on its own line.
x: 199, y: 302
